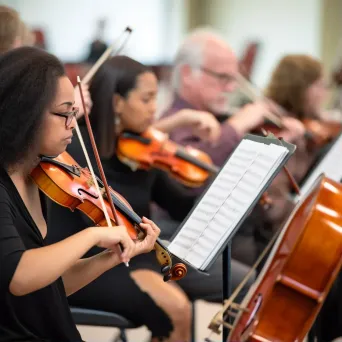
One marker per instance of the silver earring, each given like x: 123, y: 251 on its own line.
x: 117, y: 120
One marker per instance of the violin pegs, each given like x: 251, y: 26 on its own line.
x: 167, y: 277
x: 166, y: 269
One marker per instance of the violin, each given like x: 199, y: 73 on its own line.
x: 66, y: 183
x: 318, y: 132
x: 70, y: 185
x: 153, y: 149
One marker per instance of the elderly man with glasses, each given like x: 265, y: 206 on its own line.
x: 204, y: 74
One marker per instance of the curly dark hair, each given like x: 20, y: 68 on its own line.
x: 28, y: 83
x: 118, y: 75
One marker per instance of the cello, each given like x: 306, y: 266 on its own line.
x: 305, y: 260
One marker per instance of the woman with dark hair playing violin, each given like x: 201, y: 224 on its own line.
x: 124, y: 94
x: 37, y: 118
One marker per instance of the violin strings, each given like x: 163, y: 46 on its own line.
x: 93, y: 174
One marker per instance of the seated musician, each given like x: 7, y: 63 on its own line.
x: 297, y: 84
x: 36, y: 278
x: 204, y: 74
x: 124, y: 93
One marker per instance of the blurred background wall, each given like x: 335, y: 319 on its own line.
x: 279, y: 27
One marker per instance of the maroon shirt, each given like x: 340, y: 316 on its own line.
x: 219, y: 153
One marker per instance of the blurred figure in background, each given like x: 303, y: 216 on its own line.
x: 10, y: 29
x: 27, y: 36
x: 297, y: 85
x: 98, y: 46
x: 204, y: 74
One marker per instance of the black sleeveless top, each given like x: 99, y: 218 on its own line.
x: 43, y: 315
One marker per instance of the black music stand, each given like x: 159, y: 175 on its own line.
x: 226, y: 282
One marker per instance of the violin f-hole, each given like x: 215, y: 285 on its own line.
x: 80, y: 191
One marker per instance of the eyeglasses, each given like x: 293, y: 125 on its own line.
x: 224, y: 79
x: 69, y: 116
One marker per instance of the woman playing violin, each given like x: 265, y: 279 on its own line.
x: 37, y: 118
x: 124, y: 93
x: 297, y: 84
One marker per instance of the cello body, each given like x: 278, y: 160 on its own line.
x: 287, y: 296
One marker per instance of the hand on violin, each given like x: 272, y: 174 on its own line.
x: 293, y: 129
x: 87, y: 99
x: 111, y: 237
x: 204, y: 124
x: 152, y: 232
x: 249, y: 117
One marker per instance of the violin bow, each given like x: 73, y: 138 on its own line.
x: 92, y: 71
x: 254, y: 94
x: 88, y: 77
x: 98, y: 162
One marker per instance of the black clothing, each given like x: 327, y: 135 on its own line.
x: 43, y: 315
x: 117, y: 290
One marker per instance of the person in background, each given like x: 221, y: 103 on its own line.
x: 204, y: 74
x: 124, y: 94
x: 14, y: 33
x: 98, y: 45
x: 26, y: 34
x: 297, y: 84
x: 10, y: 29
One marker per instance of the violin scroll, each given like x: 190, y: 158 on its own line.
x: 175, y: 272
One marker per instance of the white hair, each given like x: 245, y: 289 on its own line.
x: 191, y: 52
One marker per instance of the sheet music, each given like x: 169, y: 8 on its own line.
x: 330, y: 165
x: 229, y: 197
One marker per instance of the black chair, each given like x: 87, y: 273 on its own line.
x: 107, y: 319
x: 103, y: 319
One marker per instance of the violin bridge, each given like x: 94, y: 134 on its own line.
x: 90, y: 182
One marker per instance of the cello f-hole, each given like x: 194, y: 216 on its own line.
x: 246, y: 333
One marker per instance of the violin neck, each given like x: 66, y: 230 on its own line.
x: 183, y: 154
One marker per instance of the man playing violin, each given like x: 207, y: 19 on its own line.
x: 204, y: 74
